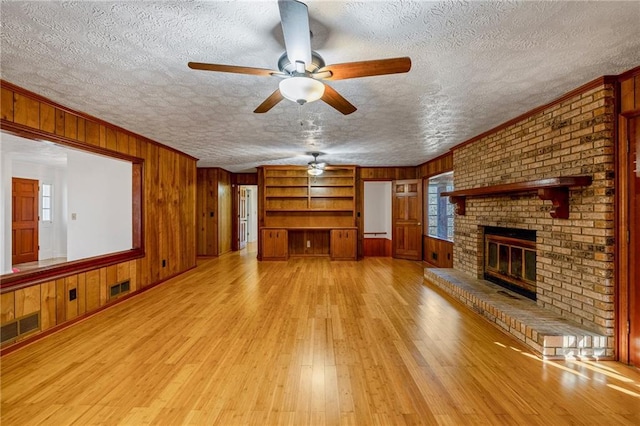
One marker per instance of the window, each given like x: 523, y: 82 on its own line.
x: 439, y: 209
x: 46, y: 203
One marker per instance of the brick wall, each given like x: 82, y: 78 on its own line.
x: 575, y: 259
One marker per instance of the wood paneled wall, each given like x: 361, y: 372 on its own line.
x: 207, y: 211
x: 225, y: 227
x: 629, y: 107
x: 441, y: 164
x: 168, y: 205
x: 436, y: 252
x: 214, y: 211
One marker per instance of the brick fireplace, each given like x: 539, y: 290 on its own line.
x: 574, y: 257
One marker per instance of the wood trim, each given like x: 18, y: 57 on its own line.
x: 11, y: 282
x: 633, y: 72
x: 554, y: 189
x: 42, y: 99
x: 600, y: 81
x: 113, y: 302
x: 42, y: 136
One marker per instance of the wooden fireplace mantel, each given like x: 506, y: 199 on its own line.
x: 554, y: 189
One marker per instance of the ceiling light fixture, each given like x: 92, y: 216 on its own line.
x: 314, y: 171
x: 301, y: 89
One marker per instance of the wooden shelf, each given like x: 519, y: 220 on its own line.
x: 554, y: 189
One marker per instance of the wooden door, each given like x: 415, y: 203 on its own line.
x: 407, y: 219
x: 634, y: 241
x: 24, y: 222
x: 242, y: 218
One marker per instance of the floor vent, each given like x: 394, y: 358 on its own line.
x: 120, y: 288
x: 20, y: 326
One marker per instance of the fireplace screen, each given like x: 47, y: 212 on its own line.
x: 511, y: 261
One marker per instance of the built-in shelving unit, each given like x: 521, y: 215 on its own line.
x: 306, y: 210
x: 293, y: 198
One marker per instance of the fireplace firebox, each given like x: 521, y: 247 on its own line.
x: 510, y: 259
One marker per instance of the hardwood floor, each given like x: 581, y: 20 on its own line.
x: 307, y: 341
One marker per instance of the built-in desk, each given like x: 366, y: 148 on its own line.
x: 281, y: 243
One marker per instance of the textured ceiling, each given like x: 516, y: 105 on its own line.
x: 475, y: 65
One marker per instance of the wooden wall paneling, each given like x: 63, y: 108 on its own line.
x: 245, y: 178
x: 441, y: 164
x: 206, y: 212
x: 81, y: 134
x: 112, y: 139
x: 104, y: 286
x: 92, y: 133
x: 133, y: 274
x: 112, y: 276
x: 26, y: 111
x: 60, y: 122
x: 27, y: 301
x: 82, y: 293
x: 47, y: 118
x: 122, y: 142
x: 123, y: 272
x: 92, y: 290
x: 61, y: 305
x: 48, y: 305
x: 224, y: 212
x: 70, y: 126
x: 7, y: 306
x: 152, y: 220
x: 190, y: 241
x: 71, y: 306
x: 6, y: 104
x: 627, y: 95
x: 133, y: 145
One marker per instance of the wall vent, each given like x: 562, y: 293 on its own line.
x: 20, y: 326
x: 120, y: 288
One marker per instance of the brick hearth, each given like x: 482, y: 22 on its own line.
x: 545, y: 332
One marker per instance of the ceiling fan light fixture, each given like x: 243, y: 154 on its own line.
x: 301, y: 89
x: 314, y: 171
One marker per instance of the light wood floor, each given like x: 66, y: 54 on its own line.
x: 307, y: 341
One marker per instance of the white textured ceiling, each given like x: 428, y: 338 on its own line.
x: 475, y: 65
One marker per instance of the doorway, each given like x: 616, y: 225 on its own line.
x: 247, y: 216
x: 377, y: 219
x: 24, y: 220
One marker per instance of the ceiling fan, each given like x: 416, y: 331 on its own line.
x: 314, y: 168
x: 303, y: 70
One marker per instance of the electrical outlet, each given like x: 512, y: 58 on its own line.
x: 308, y: 243
x: 73, y: 294
x: 164, y: 263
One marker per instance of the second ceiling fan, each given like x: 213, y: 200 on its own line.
x: 303, y: 71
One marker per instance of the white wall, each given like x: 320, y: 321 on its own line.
x: 377, y: 209
x: 52, y: 236
x: 5, y: 212
x: 99, y: 192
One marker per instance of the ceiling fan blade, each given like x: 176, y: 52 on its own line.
x: 336, y: 100
x: 295, y: 28
x: 367, y: 68
x: 270, y: 102
x: 233, y: 69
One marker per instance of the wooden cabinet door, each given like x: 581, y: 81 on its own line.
x: 274, y: 244
x: 343, y: 244
x: 407, y: 219
x: 24, y: 222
